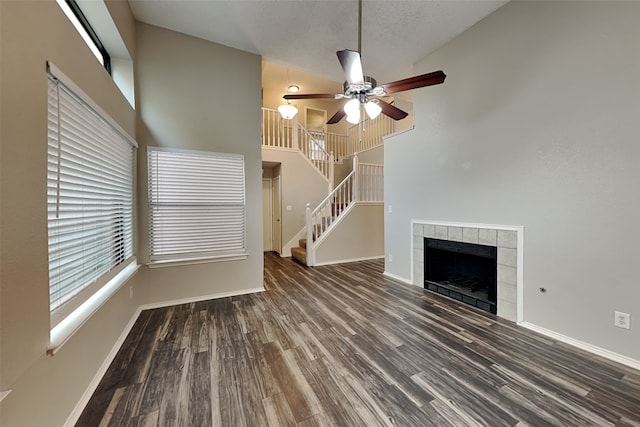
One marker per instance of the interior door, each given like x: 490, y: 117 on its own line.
x: 266, y: 215
x: 276, y: 217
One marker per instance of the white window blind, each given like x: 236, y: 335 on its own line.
x: 196, y: 205
x: 90, y: 173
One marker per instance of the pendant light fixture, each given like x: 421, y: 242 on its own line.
x: 288, y: 111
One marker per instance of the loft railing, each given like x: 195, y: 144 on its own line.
x: 369, y: 133
x: 363, y: 184
x: 276, y: 132
x: 279, y: 133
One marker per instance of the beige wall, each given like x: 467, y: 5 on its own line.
x: 45, y: 389
x: 536, y: 126
x: 360, y: 235
x: 193, y: 94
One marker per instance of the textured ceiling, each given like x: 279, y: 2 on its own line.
x: 305, y: 34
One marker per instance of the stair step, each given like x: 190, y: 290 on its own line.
x: 303, y: 243
x: 300, y: 255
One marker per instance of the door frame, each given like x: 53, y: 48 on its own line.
x: 276, y: 230
x: 267, y: 213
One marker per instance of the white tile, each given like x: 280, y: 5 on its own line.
x: 418, y: 242
x: 507, y: 310
x: 507, y: 292
x: 508, y: 256
x: 441, y: 232
x: 507, y: 239
x: 507, y: 274
x: 455, y: 234
x: 429, y: 230
x: 487, y: 237
x: 470, y: 235
x: 418, y: 255
x: 417, y: 229
x: 418, y: 275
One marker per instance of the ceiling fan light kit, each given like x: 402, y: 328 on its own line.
x: 364, y: 91
x: 373, y: 109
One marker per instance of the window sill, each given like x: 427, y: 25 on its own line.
x: 193, y: 261
x: 64, y: 330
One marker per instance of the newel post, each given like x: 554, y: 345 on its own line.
x: 309, y: 223
x: 356, y: 195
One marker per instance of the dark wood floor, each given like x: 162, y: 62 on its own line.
x: 343, y: 346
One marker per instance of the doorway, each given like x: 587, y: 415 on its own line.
x: 271, y: 207
x: 316, y: 119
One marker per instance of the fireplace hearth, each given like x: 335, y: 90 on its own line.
x: 463, y: 271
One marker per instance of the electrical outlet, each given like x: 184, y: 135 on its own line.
x: 622, y: 320
x: 390, y: 258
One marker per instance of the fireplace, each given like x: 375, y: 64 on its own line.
x: 463, y: 271
x: 506, y: 239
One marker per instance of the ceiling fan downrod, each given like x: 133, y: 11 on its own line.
x: 360, y: 27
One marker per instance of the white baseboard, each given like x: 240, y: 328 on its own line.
x: 607, y: 354
x: 398, y: 278
x: 201, y: 298
x: 342, y: 261
x: 77, y: 411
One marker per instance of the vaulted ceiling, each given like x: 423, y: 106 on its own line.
x: 305, y: 34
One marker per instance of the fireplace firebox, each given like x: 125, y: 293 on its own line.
x: 466, y: 272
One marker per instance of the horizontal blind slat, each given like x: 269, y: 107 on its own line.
x: 196, y: 204
x: 89, y: 195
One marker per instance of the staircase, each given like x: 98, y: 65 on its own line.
x: 300, y: 253
x: 363, y: 184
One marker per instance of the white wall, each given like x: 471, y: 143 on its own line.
x: 44, y: 389
x: 198, y: 95
x: 536, y: 125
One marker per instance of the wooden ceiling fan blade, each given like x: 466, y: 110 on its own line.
x: 339, y: 115
x: 394, y: 112
x: 310, y: 96
x: 429, y: 79
x: 352, y: 66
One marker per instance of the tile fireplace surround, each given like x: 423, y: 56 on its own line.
x: 508, y: 240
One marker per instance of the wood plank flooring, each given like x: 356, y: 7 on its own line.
x: 344, y: 346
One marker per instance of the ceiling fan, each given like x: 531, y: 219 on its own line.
x: 364, y: 91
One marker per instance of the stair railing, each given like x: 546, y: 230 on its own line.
x: 365, y: 183
x: 314, y: 150
x: 320, y: 219
x: 370, y: 182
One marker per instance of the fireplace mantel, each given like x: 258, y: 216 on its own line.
x: 509, y: 241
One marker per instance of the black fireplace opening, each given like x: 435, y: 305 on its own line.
x: 466, y: 272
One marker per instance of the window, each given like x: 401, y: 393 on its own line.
x: 90, y: 172
x: 80, y: 22
x: 196, y: 206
